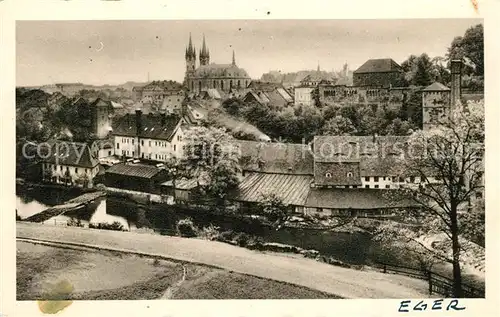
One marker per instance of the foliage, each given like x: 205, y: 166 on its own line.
x: 272, y: 206
x: 211, y: 233
x: 72, y: 222
x: 18, y: 218
x: 82, y: 180
x: 186, y: 228
x: 471, y: 48
x: 242, y: 239
x: 213, y: 159
x: 117, y: 226
x: 338, y: 126
x: 452, y: 155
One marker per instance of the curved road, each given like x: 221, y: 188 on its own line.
x: 347, y: 283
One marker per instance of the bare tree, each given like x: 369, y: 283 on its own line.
x: 447, y: 165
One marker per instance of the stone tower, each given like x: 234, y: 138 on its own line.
x: 204, y: 54
x: 190, y: 60
x: 456, y: 81
x: 101, y: 122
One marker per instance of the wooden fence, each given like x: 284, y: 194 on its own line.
x: 438, y: 284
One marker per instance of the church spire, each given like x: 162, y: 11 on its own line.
x: 318, y: 70
x: 204, y: 54
x: 190, y: 51
x: 234, y: 59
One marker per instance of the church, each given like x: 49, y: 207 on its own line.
x: 223, y: 77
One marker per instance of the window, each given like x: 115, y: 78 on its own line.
x: 328, y: 175
x: 76, y: 169
x: 142, y: 142
x: 61, y: 168
x: 383, y: 178
x: 132, y: 141
x: 375, y: 179
x: 149, y: 143
x: 349, y: 174
x: 387, y: 186
x: 376, y: 186
x: 479, y: 195
x: 412, y: 179
x: 118, y: 146
x: 143, y: 155
x: 133, y: 153
x: 367, y: 179
x: 174, y: 147
x: 109, y: 153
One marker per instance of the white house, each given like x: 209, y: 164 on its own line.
x: 155, y: 137
x: 70, y: 163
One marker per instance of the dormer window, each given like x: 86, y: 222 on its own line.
x: 349, y: 174
x: 328, y: 175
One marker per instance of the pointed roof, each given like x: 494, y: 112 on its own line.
x: 381, y: 65
x: 234, y: 59
x: 190, y: 50
x: 436, y: 86
x: 204, y: 50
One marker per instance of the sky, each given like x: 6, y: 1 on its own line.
x: 51, y: 52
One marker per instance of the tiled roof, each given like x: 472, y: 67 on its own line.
x: 182, y: 184
x: 292, y: 189
x: 319, y: 76
x: 273, y: 157
x: 152, y: 126
x: 337, y: 173
x: 258, y: 85
x: 377, y: 156
x: 285, y: 94
x: 382, y: 65
x: 101, y: 103
x: 355, y: 148
x: 436, y: 87
x: 71, y: 153
x: 220, y: 70
x: 356, y: 198
x: 134, y: 170
x: 167, y: 85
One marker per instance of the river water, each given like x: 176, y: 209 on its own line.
x: 355, y: 248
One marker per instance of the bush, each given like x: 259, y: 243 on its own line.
x: 209, y: 233
x: 186, y: 228
x: 100, y: 187
x: 107, y: 226
x: 242, y: 239
x: 74, y: 223
x: 226, y: 235
x: 18, y: 218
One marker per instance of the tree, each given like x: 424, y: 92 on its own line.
x: 398, y: 127
x: 423, y: 71
x: 449, y: 161
x: 273, y: 207
x: 471, y: 48
x: 338, y: 126
x: 211, y: 157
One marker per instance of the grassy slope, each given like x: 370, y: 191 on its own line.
x: 103, y: 276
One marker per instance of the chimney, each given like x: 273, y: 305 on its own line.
x: 456, y: 81
x: 138, y: 120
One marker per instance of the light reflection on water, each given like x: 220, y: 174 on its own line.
x: 27, y: 209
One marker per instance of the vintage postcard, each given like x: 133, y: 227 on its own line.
x: 166, y: 160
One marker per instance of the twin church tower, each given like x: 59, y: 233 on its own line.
x: 223, y: 77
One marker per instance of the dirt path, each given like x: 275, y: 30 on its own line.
x: 343, y: 282
x: 171, y: 290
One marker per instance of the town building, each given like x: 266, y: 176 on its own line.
x: 150, y: 136
x: 268, y: 94
x: 136, y: 177
x: 384, y: 72
x: 166, y: 93
x: 70, y: 163
x: 224, y: 77
x: 438, y: 100
x: 102, y: 111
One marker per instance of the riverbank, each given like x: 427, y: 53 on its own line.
x: 74, y: 204
x: 343, y: 282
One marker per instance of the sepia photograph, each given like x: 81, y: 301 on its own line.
x: 250, y: 159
